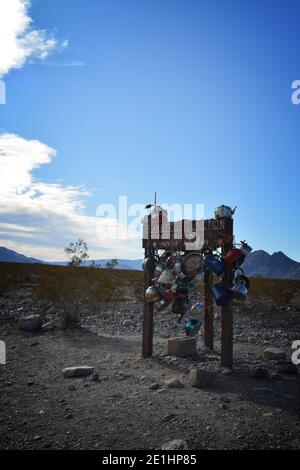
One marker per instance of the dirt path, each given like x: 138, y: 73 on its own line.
x: 41, y: 409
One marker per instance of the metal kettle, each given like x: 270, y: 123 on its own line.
x: 224, y: 211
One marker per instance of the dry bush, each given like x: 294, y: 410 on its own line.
x: 12, y: 275
x: 280, y: 291
x: 74, y: 290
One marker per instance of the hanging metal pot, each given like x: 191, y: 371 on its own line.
x: 197, y: 310
x: 233, y: 256
x: 192, y: 326
x: 166, y: 277
x: 199, y: 277
x: 161, y: 304
x: 158, y: 270
x: 214, y: 264
x: 177, y: 267
x: 245, y: 248
x: 152, y: 294
x: 224, y: 211
x: 240, y: 278
x: 221, y: 294
x: 239, y: 291
x: 169, y: 295
x: 192, y: 263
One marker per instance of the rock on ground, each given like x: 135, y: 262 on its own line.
x: 201, y: 378
x: 80, y: 371
x: 173, y: 383
x: 31, y: 323
x: 274, y: 354
x: 176, y: 444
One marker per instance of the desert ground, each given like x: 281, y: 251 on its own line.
x: 135, y: 403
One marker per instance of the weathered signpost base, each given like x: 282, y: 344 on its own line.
x: 218, y: 233
x: 147, y: 322
x: 209, y: 311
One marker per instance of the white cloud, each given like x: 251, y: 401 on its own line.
x: 18, y: 38
x: 46, y: 215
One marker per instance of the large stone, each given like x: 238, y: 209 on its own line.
x: 31, y: 323
x: 201, y: 378
x: 80, y: 371
x: 49, y: 326
x: 173, y: 383
x: 176, y: 444
x: 182, y: 346
x: 274, y: 354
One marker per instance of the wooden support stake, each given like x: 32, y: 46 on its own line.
x: 227, y: 314
x: 209, y: 311
x: 147, y: 319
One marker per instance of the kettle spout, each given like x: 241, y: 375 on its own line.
x: 233, y: 210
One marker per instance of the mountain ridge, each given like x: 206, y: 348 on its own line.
x: 259, y: 263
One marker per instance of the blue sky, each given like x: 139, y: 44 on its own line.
x: 188, y: 98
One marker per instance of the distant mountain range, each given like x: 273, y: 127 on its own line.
x: 10, y: 256
x: 258, y: 263
x: 276, y: 266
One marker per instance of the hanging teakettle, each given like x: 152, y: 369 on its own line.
x: 155, y: 214
x: 245, y: 248
x: 161, y: 304
x: 197, y: 310
x: 233, y: 256
x: 215, y: 264
x: 221, y: 294
x: 169, y: 295
x: 192, y: 326
x: 166, y: 277
x: 241, y: 278
x: 239, y: 291
x: 224, y: 211
x: 152, y: 294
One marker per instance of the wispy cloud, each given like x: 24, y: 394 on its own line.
x: 20, y: 41
x: 73, y: 63
x: 47, y: 216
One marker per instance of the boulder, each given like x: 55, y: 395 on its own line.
x: 274, y: 354
x: 79, y: 371
x: 173, y: 383
x: 31, y: 323
x: 176, y: 444
x: 201, y: 378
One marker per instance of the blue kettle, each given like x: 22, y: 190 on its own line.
x: 215, y: 264
x: 221, y: 295
x: 192, y: 326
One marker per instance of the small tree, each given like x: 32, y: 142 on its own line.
x: 77, y: 253
x: 112, y: 264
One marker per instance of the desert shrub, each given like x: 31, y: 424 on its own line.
x: 74, y: 290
